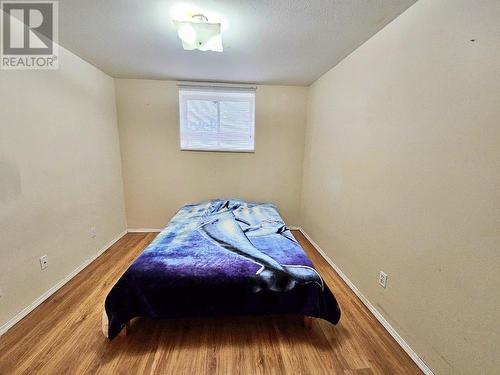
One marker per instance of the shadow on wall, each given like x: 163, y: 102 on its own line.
x: 10, y: 180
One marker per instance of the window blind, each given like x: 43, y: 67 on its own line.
x: 217, y: 118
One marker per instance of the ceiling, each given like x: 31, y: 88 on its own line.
x: 289, y: 42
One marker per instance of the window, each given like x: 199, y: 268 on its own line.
x: 217, y: 118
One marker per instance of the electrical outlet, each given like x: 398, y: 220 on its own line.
x: 1, y: 293
x: 93, y: 232
x: 44, y: 262
x: 382, y: 279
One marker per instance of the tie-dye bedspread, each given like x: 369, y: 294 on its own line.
x: 221, y: 257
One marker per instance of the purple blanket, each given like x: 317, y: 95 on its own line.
x: 221, y: 257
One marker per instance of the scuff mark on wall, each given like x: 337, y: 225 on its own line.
x: 10, y: 180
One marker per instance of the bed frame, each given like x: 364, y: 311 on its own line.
x: 124, y: 332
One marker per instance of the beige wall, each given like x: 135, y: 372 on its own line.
x: 60, y: 174
x: 159, y: 178
x: 402, y: 174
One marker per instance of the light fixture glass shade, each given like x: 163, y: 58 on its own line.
x: 203, y: 36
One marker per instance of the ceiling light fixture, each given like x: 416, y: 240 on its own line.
x: 199, y: 34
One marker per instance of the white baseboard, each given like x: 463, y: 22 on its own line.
x: 143, y: 230
x: 413, y: 355
x: 21, y: 314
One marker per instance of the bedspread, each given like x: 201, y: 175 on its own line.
x: 221, y: 257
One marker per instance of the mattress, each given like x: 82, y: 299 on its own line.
x: 221, y: 257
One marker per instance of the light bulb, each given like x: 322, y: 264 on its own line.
x: 187, y: 33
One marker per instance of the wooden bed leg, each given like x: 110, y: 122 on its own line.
x: 124, y: 330
x: 105, y: 323
x: 308, y: 322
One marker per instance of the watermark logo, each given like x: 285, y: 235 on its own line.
x: 29, y: 35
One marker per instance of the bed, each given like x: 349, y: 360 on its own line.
x: 220, y: 257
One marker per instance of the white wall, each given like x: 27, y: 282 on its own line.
x: 159, y: 178
x: 402, y: 174
x: 60, y: 174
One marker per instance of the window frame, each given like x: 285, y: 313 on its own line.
x: 215, y: 94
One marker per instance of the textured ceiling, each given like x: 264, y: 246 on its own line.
x: 287, y: 42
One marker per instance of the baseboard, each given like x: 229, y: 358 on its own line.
x: 404, y: 345
x: 143, y: 230
x: 20, y: 315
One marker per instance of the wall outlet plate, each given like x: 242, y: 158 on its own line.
x: 382, y: 279
x: 44, y: 262
x: 93, y: 232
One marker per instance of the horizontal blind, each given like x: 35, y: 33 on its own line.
x: 217, y: 118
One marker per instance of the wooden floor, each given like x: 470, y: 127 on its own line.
x: 63, y: 335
